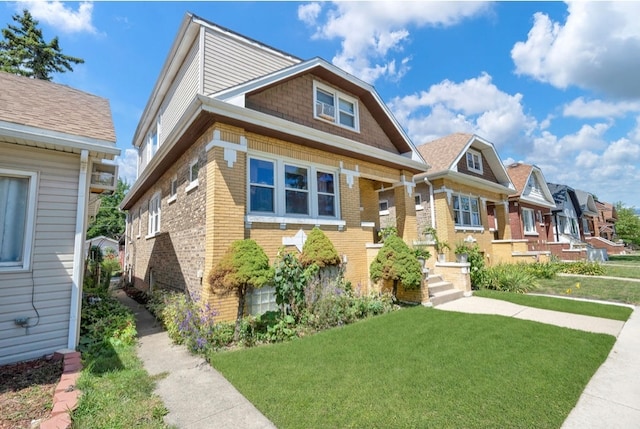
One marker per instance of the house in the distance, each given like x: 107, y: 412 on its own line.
x: 530, y: 209
x: 604, y: 228
x: 240, y: 140
x: 53, y: 139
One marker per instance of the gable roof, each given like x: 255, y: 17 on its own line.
x: 341, y: 79
x: 587, y: 203
x: 520, y: 173
x: 564, y: 195
x: 444, y: 153
x: 36, y: 112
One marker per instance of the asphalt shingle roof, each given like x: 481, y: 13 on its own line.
x: 51, y: 106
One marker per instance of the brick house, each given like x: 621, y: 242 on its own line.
x: 53, y: 140
x: 239, y: 140
x: 464, y: 196
x: 530, y: 208
x: 604, y: 229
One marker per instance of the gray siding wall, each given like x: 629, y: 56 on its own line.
x: 229, y: 61
x: 50, y: 280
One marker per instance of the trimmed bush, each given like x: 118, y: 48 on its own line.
x: 582, y: 267
x: 319, y: 250
x: 396, y: 262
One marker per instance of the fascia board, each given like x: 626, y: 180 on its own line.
x: 477, y: 182
x: 64, y: 140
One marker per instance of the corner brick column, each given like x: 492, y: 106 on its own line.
x: 406, y: 211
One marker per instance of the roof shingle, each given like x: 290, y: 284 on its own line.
x: 54, y: 107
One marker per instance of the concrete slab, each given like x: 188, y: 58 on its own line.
x: 196, y: 395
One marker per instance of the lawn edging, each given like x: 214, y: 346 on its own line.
x: 66, y: 396
x: 595, y: 301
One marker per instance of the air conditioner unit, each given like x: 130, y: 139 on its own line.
x: 104, y: 177
x: 325, y: 111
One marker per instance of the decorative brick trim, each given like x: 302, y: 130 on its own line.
x: 66, y: 396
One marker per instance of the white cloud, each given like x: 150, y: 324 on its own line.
x: 597, y: 48
x: 382, y: 29
x: 128, y: 165
x: 474, y: 105
x: 60, y: 16
x: 581, y: 108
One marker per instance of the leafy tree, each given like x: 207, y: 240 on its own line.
x: 110, y: 220
x: 628, y: 224
x: 290, y: 280
x: 395, y: 261
x: 243, y: 265
x: 24, y: 51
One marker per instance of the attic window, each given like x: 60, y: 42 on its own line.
x: 474, y: 161
x: 333, y: 106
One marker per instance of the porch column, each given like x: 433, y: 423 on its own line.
x: 404, y: 197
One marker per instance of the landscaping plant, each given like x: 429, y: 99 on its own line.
x: 243, y: 265
x: 509, y: 278
x: 396, y: 262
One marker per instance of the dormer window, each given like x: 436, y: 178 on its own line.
x: 333, y: 106
x: 474, y: 161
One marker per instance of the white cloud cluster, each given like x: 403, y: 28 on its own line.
x: 128, y: 165
x: 61, y: 16
x: 597, y: 48
x: 373, y: 33
x: 475, y: 105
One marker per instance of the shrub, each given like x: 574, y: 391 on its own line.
x: 290, y: 280
x: 396, y: 262
x: 104, y: 321
x: 477, y: 269
x: 509, y: 278
x: 582, y: 267
x: 319, y: 250
x: 542, y: 270
x: 243, y: 265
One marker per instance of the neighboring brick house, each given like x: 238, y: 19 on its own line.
x: 53, y: 139
x: 530, y: 208
x: 239, y: 140
x: 604, y: 229
x: 463, y: 195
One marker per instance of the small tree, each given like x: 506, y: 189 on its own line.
x: 628, y: 224
x: 395, y: 261
x: 290, y: 280
x: 243, y: 265
x: 322, y: 265
x: 24, y: 51
x: 110, y: 220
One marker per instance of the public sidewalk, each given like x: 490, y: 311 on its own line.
x: 611, y: 399
x: 196, y: 395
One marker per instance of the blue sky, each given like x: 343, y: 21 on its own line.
x: 549, y: 83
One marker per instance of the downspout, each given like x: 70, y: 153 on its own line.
x: 78, y: 254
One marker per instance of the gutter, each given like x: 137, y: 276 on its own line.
x: 78, y: 252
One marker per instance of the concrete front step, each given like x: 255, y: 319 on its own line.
x: 445, y: 296
x: 441, y: 286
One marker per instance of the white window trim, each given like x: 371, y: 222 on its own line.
x: 280, y: 215
x: 533, y: 222
x: 193, y: 183
x: 468, y: 227
x: 472, y: 168
x: 173, y: 194
x: 29, y: 231
x: 383, y: 212
x: 157, y: 196
x: 419, y: 202
x: 139, y: 222
x: 337, y: 95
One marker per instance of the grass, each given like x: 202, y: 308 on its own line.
x: 117, y: 393
x: 631, y: 271
x: 620, y: 291
x: 421, y: 368
x: 614, y: 312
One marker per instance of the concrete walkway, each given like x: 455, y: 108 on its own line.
x: 611, y: 399
x: 196, y: 395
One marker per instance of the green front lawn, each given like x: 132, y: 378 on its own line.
x: 631, y: 271
x: 607, y: 311
x: 420, y: 367
x: 620, y: 291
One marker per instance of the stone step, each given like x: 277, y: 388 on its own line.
x: 445, y: 296
x: 441, y: 286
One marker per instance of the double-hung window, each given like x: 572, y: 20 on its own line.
x: 281, y: 188
x: 466, y: 211
x: 474, y: 161
x: 154, y: 215
x: 17, y: 211
x: 528, y: 221
x: 333, y: 106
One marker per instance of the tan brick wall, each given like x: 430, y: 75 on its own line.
x: 175, y: 257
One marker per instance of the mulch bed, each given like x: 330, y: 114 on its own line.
x: 137, y: 295
x: 26, y: 391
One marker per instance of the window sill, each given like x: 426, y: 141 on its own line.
x: 192, y: 186
x: 172, y: 199
x: 383, y: 212
x: 14, y: 269
x: 533, y: 234
x: 284, y: 220
x: 419, y: 207
x: 154, y: 235
x: 469, y: 228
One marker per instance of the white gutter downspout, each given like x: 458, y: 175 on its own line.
x: 431, y: 204
x: 78, y: 252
